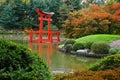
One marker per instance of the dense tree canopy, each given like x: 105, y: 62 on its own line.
x: 20, y: 14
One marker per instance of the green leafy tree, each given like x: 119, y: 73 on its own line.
x: 54, y: 7
x: 67, y: 7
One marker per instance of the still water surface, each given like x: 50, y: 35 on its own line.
x: 58, y: 62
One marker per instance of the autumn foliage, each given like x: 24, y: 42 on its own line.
x: 90, y: 75
x: 96, y: 20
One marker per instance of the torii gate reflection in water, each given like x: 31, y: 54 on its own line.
x: 41, y: 38
x: 44, y: 49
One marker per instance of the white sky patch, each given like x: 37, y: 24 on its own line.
x: 83, y: 1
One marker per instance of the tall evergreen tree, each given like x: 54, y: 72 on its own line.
x: 7, y: 17
x: 20, y: 15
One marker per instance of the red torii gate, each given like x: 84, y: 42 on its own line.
x: 44, y: 17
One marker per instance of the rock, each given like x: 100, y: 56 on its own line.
x: 115, y: 44
x: 84, y: 51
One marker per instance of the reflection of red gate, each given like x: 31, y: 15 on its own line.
x: 44, y: 48
x: 41, y: 35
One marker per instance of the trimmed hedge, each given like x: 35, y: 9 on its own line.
x: 78, y: 46
x: 100, y: 48
x: 69, y: 41
x: 88, y: 45
x: 18, y: 63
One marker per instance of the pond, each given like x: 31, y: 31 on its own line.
x: 57, y: 61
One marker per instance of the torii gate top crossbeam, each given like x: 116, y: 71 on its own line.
x: 44, y: 13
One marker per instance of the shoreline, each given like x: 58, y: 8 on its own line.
x: 84, y: 54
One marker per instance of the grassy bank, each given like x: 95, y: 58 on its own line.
x: 98, y: 37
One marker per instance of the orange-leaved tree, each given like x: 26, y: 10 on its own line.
x: 96, y: 20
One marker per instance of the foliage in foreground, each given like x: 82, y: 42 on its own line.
x: 109, y: 62
x: 90, y: 75
x: 107, y: 69
x: 19, y: 63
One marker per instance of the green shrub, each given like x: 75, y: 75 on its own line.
x: 109, y: 62
x: 100, y: 48
x: 88, y: 45
x: 78, y: 46
x: 114, y: 51
x: 18, y: 63
x: 69, y: 41
x: 118, y: 52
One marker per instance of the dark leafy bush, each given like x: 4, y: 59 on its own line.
x: 68, y: 48
x: 18, y: 63
x: 114, y: 51
x: 70, y: 41
x: 88, y: 45
x: 109, y: 62
x: 78, y: 46
x: 100, y: 48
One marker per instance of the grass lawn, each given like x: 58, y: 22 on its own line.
x: 98, y: 37
x: 95, y: 38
